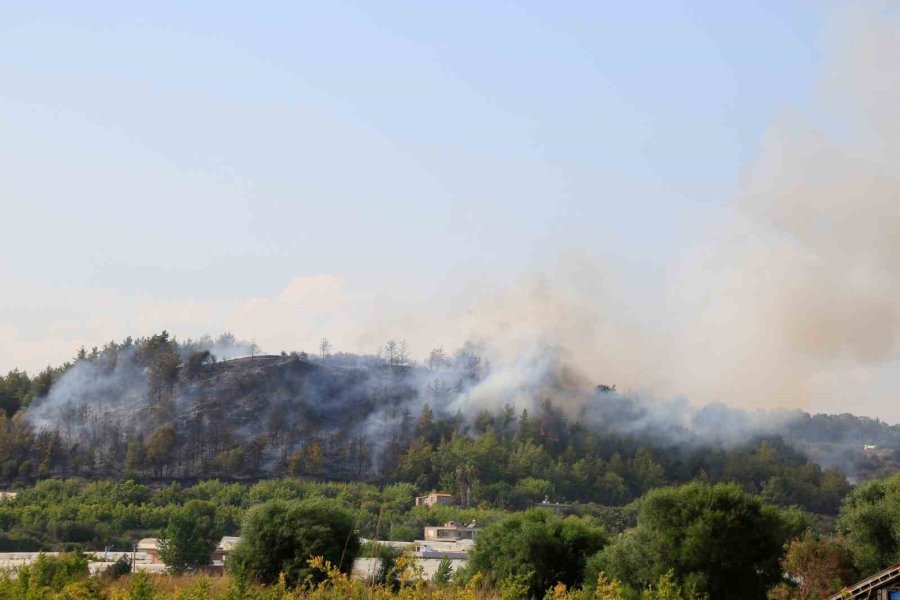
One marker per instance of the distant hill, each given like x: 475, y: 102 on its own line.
x: 159, y: 408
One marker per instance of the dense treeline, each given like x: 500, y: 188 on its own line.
x: 56, y: 514
x: 155, y: 408
x: 692, y: 541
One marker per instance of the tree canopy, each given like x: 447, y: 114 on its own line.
x: 190, y: 536
x: 279, y: 537
x: 539, y: 547
x: 716, y: 539
x: 870, y: 521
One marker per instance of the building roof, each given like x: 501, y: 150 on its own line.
x: 387, y: 543
x: 229, y: 542
x: 148, y: 544
x: 453, y: 525
x: 447, y: 545
x: 861, y: 589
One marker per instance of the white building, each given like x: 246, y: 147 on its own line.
x: 435, y: 499
x: 451, y: 531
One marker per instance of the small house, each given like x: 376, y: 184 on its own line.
x: 435, y: 499
x: 150, y: 548
x: 451, y: 531
x: 223, y: 549
x: 453, y: 549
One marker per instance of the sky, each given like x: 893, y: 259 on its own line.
x: 433, y: 172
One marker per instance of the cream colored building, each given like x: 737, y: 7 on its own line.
x: 451, y: 531
x: 435, y: 499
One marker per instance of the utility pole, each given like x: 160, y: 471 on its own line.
x: 347, y: 543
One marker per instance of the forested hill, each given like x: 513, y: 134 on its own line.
x: 157, y: 408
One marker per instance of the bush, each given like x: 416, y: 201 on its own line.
x: 715, y: 540
x: 279, y: 537
x: 537, y: 547
x: 444, y: 572
x: 190, y: 537
x: 870, y: 523
x: 121, y: 567
x: 54, y: 572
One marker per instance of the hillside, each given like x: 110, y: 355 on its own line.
x: 157, y: 408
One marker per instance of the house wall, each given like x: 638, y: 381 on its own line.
x: 368, y: 568
x: 450, y: 533
x: 434, y: 499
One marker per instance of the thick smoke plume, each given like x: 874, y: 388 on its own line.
x: 788, y: 297
x: 111, y: 390
x: 790, y: 301
x: 797, y: 302
x: 349, y: 401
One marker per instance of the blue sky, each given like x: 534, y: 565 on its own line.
x: 377, y: 140
x: 202, y: 166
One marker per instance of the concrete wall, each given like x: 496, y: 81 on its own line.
x: 367, y: 568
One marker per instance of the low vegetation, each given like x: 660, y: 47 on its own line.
x: 299, y: 540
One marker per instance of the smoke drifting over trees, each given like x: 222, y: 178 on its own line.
x: 796, y: 298
x: 785, y: 298
x: 790, y: 299
x: 503, y: 431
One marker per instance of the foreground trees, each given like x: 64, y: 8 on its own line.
x: 279, y: 537
x: 537, y: 547
x: 818, y: 565
x: 190, y: 537
x: 688, y: 542
x: 870, y: 521
x: 717, y: 540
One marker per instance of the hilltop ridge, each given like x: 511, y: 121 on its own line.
x: 157, y: 408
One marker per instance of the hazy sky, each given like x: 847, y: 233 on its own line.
x: 292, y: 170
